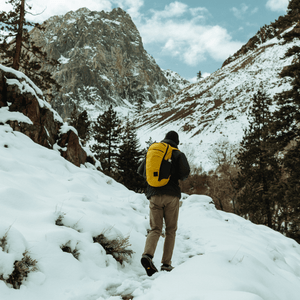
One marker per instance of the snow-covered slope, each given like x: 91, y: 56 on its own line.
x: 175, y: 80
x: 47, y: 202
x: 214, y: 109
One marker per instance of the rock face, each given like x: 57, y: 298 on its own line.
x: 43, y: 125
x: 102, y: 60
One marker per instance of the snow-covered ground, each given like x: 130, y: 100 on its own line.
x: 217, y: 255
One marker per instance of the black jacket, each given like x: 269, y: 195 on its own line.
x: 180, y: 170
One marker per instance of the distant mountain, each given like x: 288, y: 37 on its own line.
x: 103, y: 62
x: 214, y: 109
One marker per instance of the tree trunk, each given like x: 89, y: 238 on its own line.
x: 16, y: 61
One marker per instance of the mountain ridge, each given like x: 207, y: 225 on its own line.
x: 215, y: 108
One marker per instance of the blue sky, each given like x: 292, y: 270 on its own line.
x: 185, y: 36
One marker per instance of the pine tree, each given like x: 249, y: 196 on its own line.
x: 287, y: 136
x: 149, y: 142
x: 258, y: 165
x: 294, y: 8
x: 139, y: 106
x: 81, y: 123
x: 107, y: 129
x: 73, y: 117
x: 199, y: 75
x: 129, y: 159
x: 83, y: 126
x: 287, y: 117
x: 18, y: 51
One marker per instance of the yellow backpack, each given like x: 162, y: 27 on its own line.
x: 158, y: 164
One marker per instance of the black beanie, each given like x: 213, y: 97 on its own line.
x: 173, y: 136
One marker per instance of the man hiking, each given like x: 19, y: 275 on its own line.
x: 164, y: 200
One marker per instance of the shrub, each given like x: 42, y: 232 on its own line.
x: 3, y: 242
x: 21, y: 270
x: 66, y: 248
x: 116, y: 247
x: 127, y: 297
x: 59, y: 220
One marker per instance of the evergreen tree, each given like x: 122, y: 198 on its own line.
x: 81, y: 123
x: 107, y: 131
x: 287, y: 136
x: 287, y: 117
x: 149, y: 142
x: 258, y: 165
x: 129, y: 159
x: 18, y: 51
x: 73, y: 117
x: 199, y: 75
x: 294, y: 8
x: 139, y: 106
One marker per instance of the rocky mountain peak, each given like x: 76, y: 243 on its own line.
x: 103, y: 61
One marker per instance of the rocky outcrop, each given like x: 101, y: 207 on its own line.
x: 44, y: 126
x: 103, y: 61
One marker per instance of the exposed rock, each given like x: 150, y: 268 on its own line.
x: 45, y: 126
x: 102, y: 60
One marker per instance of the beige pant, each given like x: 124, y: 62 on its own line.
x: 162, y: 207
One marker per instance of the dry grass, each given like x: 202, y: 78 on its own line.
x: 66, y: 248
x: 115, y: 247
x: 3, y: 242
x: 127, y: 297
x: 21, y: 270
x: 59, y: 220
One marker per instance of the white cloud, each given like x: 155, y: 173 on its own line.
x: 58, y: 7
x: 199, y: 11
x: 132, y: 7
x: 189, y: 42
x: 277, y: 5
x: 174, y: 9
x: 240, y: 12
x: 185, y: 38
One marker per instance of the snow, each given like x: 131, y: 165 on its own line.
x: 111, y: 22
x: 104, y: 77
x: 217, y: 255
x: 5, y: 116
x: 66, y: 128
x: 63, y: 60
x: 71, y: 21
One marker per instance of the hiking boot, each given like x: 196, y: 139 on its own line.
x: 167, y: 268
x: 147, y: 263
